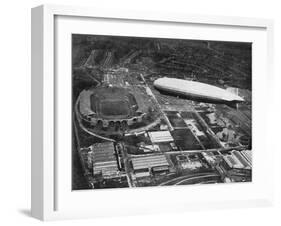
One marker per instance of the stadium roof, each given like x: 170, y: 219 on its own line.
x: 197, y: 89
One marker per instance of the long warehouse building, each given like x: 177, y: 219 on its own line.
x: 149, y: 162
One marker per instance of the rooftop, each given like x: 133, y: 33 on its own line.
x: 149, y: 162
x: 160, y: 136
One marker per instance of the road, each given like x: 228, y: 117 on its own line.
x: 127, y: 167
x: 186, y: 178
x: 209, y: 177
x: 157, y: 104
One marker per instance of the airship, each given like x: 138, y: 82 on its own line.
x: 196, y: 91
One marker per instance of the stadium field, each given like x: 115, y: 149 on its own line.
x: 115, y: 108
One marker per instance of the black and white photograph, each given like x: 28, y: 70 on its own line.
x: 159, y: 112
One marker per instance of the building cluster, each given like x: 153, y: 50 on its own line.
x: 229, y: 127
x: 101, y: 160
x: 191, y: 162
x: 234, y: 165
x: 237, y: 166
x: 144, y: 166
x: 236, y: 160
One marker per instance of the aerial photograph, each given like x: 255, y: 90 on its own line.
x: 159, y: 112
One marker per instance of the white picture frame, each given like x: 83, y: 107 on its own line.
x: 47, y: 188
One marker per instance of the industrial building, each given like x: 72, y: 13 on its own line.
x: 236, y: 160
x: 160, y: 136
x: 248, y: 155
x: 104, y: 160
x: 232, y: 162
x: 196, y: 90
x: 147, y: 163
x: 242, y: 159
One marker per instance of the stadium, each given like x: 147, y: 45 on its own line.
x: 195, y: 90
x: 108, y: 106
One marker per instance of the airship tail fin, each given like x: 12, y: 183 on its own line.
x: 234, y: 105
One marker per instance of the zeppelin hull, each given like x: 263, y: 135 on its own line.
x: 195, y: 91
x: 191, y: 96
